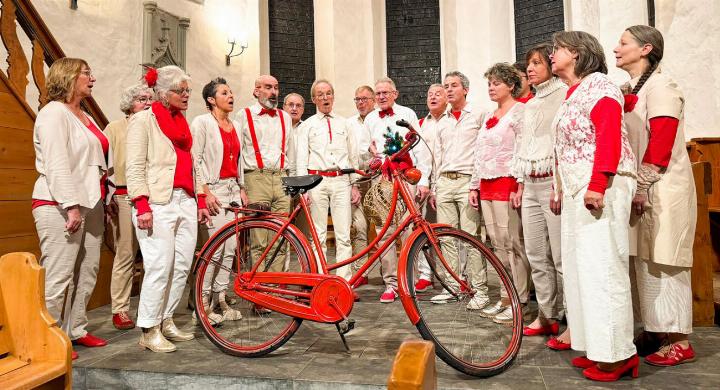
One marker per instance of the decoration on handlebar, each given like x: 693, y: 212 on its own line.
x: 412, y: 175
x: 393, y: 142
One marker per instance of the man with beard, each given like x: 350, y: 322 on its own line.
x: 294, y: 104
x: 379, y: 122
x: 268, y: 154
x: 324, y: 147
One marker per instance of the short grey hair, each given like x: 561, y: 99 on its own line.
x: 436, y: 85
x: 386, y: 80
x: 318, y: 82
x: 294, y: 94
x: 169, y: 77
x: 463, y: 79
x: 129, y: 95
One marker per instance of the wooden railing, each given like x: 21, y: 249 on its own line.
x: 45, y: 50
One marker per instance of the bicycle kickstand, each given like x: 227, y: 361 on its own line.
x: 344, y: 326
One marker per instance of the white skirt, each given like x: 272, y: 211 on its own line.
x: 665, y: 297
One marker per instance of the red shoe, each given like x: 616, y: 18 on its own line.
x: 423, y: 285
x: 356, y: 297
x: 122, y: 321
x: 557, y: 345
x: 74, y: 355
x: 90, y: 341
x: 582, y: 362
x: 363, y: 280
x: 388, y: 296
x: 629, y: 367
x: 671, y: 355
x: 552, y: 329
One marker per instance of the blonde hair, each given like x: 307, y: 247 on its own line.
x: 63, y: 73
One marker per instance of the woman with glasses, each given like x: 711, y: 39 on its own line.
x: 73, y: 158
x: 665, y: 203
x: 165, y: 186
x: 597, y: 168
x: 133, y: 99
x: 216, y: 148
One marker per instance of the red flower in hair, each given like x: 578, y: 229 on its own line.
x: 491, y: 122
x: 630, y: 101
x: 151, y: 76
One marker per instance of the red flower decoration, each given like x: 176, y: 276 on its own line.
x: 491, y: 123
x: 630, y: 101
x: 151, y: 76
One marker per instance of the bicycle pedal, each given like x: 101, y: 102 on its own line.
x: 345, y: 326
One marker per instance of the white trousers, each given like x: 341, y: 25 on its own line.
x: 168, y: 249
x: 333, y: 193
x: 226, y: 191
x: 71, y: 263
x: 541, y: 230
x: 665, y: 296
x: 596, y: 273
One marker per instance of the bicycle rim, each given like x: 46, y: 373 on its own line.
x: 465, y: 338
x: 257, y: 332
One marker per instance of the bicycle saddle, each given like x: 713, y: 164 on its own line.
x: 294, y: 185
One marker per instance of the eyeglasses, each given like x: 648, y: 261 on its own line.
x: 327, y: 95
x: 294, y: 105
x: 180, y: 91
x: 87, y: 72
x: 385, y: 93
x: 143, y: 99
x: 362, y: 99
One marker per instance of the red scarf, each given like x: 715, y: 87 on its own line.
x: 174, y: 126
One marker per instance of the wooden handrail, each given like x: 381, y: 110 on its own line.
x: 45, y: 49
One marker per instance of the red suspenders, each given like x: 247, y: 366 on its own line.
x: 256, y: 146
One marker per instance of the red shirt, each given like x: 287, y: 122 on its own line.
x: 663, y: 130
x: 606, y: 116
x: 526, y: 98
x: 231, y: 152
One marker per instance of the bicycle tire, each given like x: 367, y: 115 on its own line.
x: 263, y: 334
x: 452, y: 340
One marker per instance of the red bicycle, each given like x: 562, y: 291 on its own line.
x: 274, y: 304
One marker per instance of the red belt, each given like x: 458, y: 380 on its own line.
x: 540, y: 176
x: 325, y: 173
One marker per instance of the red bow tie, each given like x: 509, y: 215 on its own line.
x: 388, y: 112
x: 271, y: 112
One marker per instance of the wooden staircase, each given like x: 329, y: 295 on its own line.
x: 17, y: 116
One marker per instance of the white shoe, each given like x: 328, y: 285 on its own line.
x: 478, y: 301
x: 504, y: 317
x: 228, y: 313
x: 442, y: 298
x: 492, y: 311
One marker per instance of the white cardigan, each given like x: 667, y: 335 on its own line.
x: 69, y: 159
x: 207, y: 148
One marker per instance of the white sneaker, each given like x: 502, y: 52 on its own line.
x: 504, y: 317
x: 442, y: 298
x: 492, y: 311
x: 478, y: 301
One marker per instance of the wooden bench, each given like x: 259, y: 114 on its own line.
x: 34, y: 352
x: 414, y: 367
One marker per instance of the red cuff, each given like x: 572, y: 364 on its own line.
x: 598, y: 182
x: 142, y: 205
x: 201, y: 201
x: 663, y: 130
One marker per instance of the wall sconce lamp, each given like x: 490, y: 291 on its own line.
x: 235, y: 41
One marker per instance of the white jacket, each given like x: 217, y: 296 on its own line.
x: 207, y: 148
x: 69, y: 159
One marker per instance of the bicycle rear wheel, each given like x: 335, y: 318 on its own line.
x: 258, y: 331
x: 465, y: 337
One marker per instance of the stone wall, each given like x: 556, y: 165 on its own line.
x: 292, y: 47
x: 535, y: 22
x: 413, y: 49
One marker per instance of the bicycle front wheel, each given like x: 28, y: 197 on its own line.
x: 468, y: 334
x: 248, y: 330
